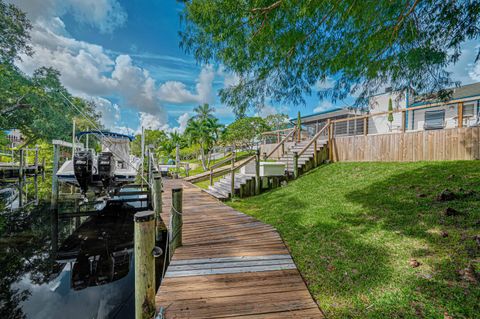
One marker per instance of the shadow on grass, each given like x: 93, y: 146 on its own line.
x: 406, y: 205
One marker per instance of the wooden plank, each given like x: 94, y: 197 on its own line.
x: 227, y: 257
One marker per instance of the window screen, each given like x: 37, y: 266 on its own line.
x: 468, y: 109
x: 434, y: 120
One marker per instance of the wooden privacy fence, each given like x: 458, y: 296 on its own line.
x: 436, y: 145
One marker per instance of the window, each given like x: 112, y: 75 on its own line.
x: 469, y: 109
x: 434, y: 120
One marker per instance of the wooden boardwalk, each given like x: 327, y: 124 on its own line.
x: 230, y: 266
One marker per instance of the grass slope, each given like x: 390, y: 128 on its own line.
x: 355, y: 229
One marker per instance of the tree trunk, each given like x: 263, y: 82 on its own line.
x: 202, y: 157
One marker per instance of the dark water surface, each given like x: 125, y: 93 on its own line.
x: 52, y: 266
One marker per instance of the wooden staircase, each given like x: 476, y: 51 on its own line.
x: 222, y: 188
x: 307, y: 154
x: 304, y: 159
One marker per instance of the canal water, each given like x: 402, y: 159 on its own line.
x: 57, y: 265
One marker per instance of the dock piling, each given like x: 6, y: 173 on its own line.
x: 56, y: 159
x: 157, y: 206
x: 176, y: 220
x: 144, y: 237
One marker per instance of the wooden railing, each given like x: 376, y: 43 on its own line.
x: 282, y: 143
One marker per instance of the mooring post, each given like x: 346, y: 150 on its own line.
x: 144, y: 242
x: 56, y: 159
x: 295, y: 165
x: 20, y: 178
x: 257, y: 172
x: 176, y: 220
x: 157, y: 206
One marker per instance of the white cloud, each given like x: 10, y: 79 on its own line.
x: 177, y: 92
x: 105, y: 15
x: 150, y: 122
x: 323, y: 106
x: 182, y: 122
x: 110, y: 112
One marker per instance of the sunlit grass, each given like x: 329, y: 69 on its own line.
x: 354, y: 228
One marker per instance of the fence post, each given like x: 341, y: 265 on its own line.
x: 330, y: 139
x: 315, y: 154
x: 257, y: 172
x: 187, y: 169
x: 365, y: 125
x: 144, y: 241
x: 56, y: 159
x: 211, y: 177
x: 232, y: 176
x: 283, y: 150
x: 176, y: 220
x: 460, y: 114
x: 404, y: 116
x: 295, y: 165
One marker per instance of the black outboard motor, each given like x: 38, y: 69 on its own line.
x: 106, y: 167
x: 82, y: 167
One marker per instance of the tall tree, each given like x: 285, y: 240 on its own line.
x: 281, y: 48
x: 38, y: 105
x: 204, y: 132
x: 244, y: 131
x: 204, y: 111
x: 14, y: 33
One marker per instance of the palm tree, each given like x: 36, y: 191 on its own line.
x: 204, y: 132
x: 204, y: 111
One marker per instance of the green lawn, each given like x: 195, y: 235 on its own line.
x: 355, y: 231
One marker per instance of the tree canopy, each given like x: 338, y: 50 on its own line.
x: 281, y: 49
x: 38, y: 105
x: 244, y: 131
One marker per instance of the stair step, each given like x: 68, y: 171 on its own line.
x: 215, y: 194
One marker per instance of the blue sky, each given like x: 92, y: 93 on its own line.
x: 125, y: 56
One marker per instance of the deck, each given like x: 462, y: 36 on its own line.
x: 230, y: 266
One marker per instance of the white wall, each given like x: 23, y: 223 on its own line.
x: 451, y: 114
x: 378, y: 104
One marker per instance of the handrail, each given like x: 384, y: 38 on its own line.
x: 314, y: 138
x: 278, y: 131
x: 248, y: 160
x: 218, y: 164
x: 282, y: 142
x: 420, y: 107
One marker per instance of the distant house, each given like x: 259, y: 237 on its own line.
x: 15, y: 137
x: 461, y: 109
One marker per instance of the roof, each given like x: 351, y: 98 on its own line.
x: 319, y: 113
x: 461, y: 92
x: 107, y: 134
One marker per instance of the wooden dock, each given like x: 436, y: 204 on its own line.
x: 230, y: 266
x: 9, y: 171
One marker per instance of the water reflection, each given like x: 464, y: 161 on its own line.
x: 76, y: 267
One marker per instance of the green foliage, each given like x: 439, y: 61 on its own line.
x: 281, y: 48
x: 353, y: 229
x: 38, y: 104
x: 277, y: 121
x: 390, y: 111
x: 244, y: 131
x: 157, y: 138
x: 14, y: 33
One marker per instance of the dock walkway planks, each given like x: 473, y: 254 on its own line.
x: 230, y: 265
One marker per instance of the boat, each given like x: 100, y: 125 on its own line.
x: 103, y: 173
